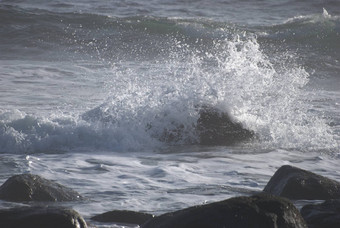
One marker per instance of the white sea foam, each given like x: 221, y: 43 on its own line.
x: 313, y: 18
x: 152, y: 104
x: 270, y: 97
x: 98, y: 82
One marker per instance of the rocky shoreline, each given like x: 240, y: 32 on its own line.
x: 271, y: 208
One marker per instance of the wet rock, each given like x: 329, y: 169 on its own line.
x: 39, y: 217
x: 324, y: 215
x: 259, y: 211
x: 29, y: 187
x: 295, y: 183
x: 217, y: 128
x: 129, y: 217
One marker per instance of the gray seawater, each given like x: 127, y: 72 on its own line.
x: 88, y: 90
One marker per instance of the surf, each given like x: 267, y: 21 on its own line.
x: 155, y: 103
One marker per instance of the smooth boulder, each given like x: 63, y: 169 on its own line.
x: 41, y: 217
x: 29, y: 187
x: 130, y: 217
x: 295, y: 183
x: 259, y: 211
x: 217, y: 128
x: 324, y: 215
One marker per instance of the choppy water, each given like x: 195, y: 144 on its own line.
x: 89, y: 89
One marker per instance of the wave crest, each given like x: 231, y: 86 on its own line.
x: 154, y: 104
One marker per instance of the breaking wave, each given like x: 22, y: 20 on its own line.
x: 156, y: 103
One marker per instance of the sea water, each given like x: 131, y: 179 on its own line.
x: 91, y: 90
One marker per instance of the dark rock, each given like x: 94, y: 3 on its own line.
x: 29, y: 187
x: 295, y: 183
x: 39, y: 217
x: 217, y: 128
x: 130, y: 217
x: 324, y: 215
x: 259, y: 211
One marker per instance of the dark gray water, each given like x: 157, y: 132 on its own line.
x: 88, y: 88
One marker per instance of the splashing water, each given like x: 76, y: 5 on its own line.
x: 268, y: 96
x: 157, y: 102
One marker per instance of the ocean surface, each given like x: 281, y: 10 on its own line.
x: 91, y: 91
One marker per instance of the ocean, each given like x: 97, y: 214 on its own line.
x: 104, y: 96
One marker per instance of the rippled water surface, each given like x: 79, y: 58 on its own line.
x: 105, y: 96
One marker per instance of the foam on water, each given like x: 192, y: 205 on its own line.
x: 315, y: 18
x: 162, y: 182
x: 270, y: 97
x: 119, y: 86
x: 154, y: 103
